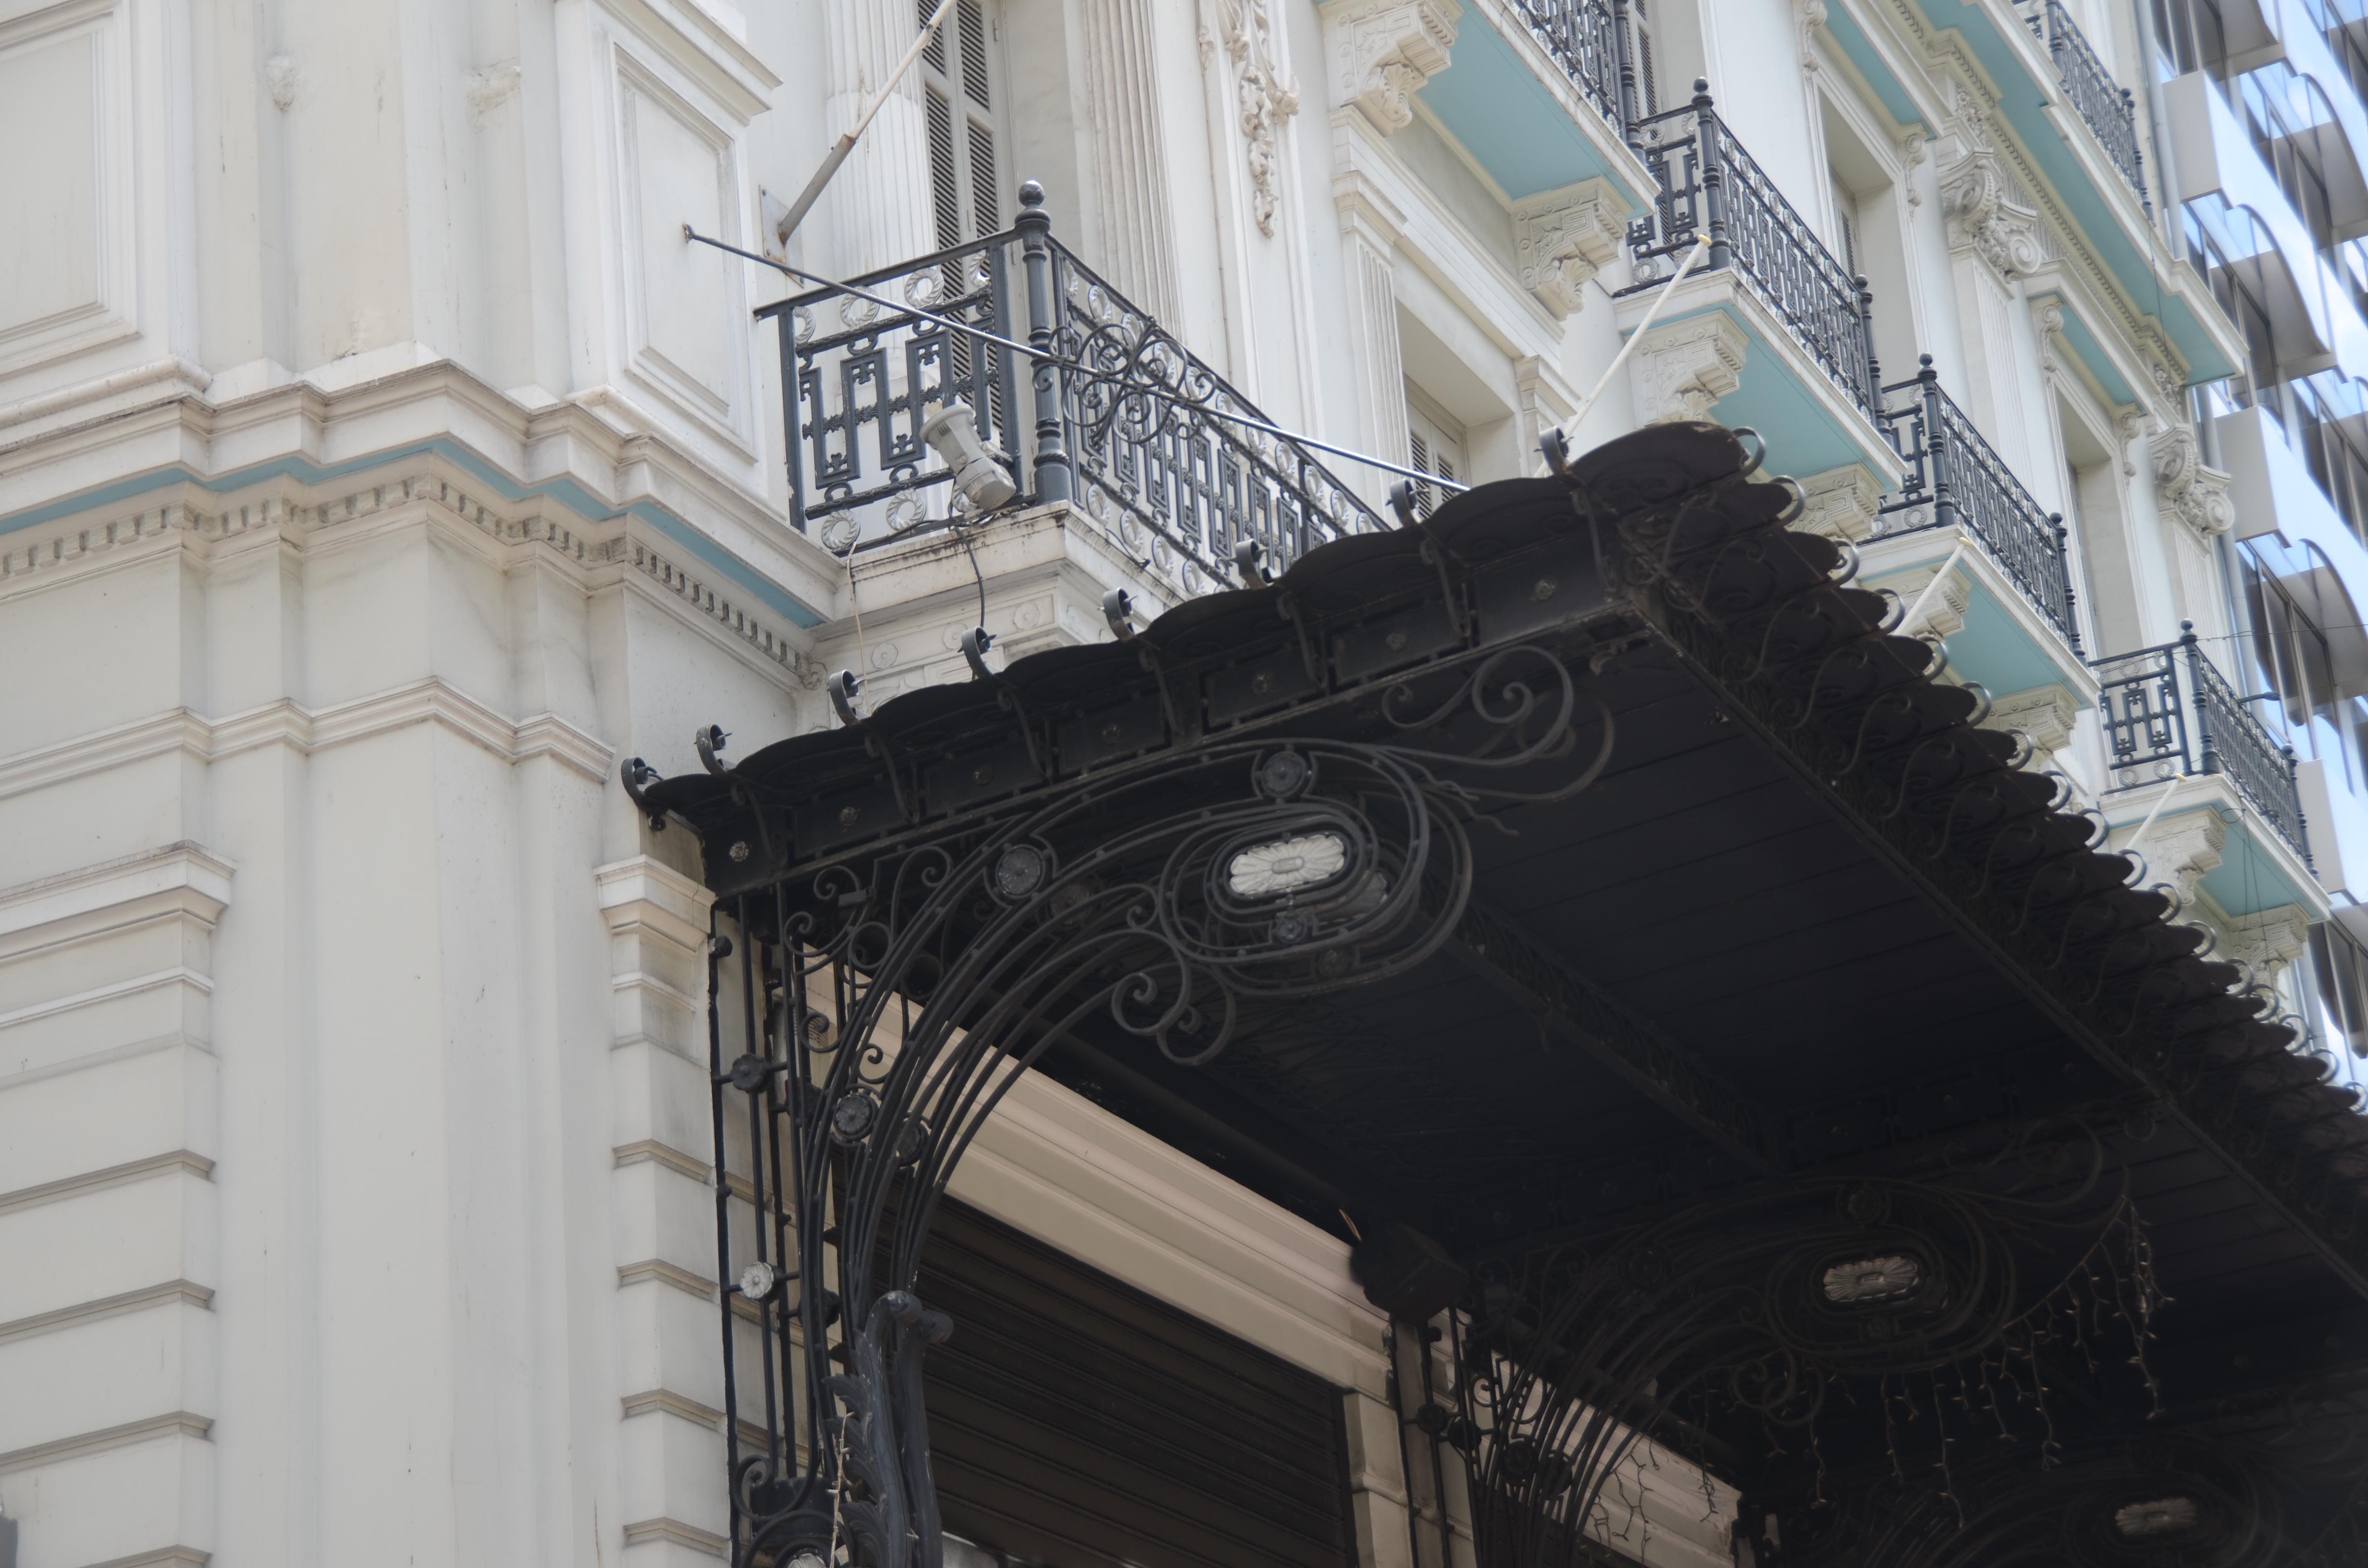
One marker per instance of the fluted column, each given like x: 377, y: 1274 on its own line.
x: 878, y: 205
x: 1134, y: 238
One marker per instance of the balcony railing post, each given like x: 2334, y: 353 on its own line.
x: 2064, y: 565
x: 2294, y: 794
x: 1936, y: 446
x: 1713, y: 178
x: 1866, y: 329
x: 1627, y: 77
x: 785, y: 326
x: 1052, y: 471
x: 2138, y: 150
x: 2208, y: 759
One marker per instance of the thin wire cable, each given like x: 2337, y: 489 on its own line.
x: 1051, y: 358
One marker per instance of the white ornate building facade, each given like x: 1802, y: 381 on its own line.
x: 382, y: 468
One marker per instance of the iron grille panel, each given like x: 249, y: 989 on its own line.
x: 1954, y: 478
x: 2145, y: 701
x: 1708, y: 184
x: 1141, y: 429
x: 2107, y: 110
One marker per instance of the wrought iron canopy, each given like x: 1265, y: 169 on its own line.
x: 1582, y: 880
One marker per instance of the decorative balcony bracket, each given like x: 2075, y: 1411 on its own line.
x: 1383, y: 51
x: 1563, y: 238
x: 2168, y: 712
x: 2183, y: 486
x: 1681, y: 370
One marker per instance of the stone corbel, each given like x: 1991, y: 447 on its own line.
x: 1383, y: 51
x: 2267, y: 940
x: 2186, y: 489
x: 1681, y: 370
x: 1841, y: 503
x: 2045, y: 715
x: 1944, y: 612
x: 1984, y: 218
x: 1563, y: 238
x: 2181, y: 851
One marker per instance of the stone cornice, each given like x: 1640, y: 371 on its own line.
x: 646, y: 891
x: 183, y: 876
x: 563, y: 457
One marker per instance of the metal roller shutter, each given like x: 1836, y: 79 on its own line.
x: 1077, y: 1423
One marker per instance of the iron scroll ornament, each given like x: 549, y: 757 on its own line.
x: 909, y: 992
x: 1761, y: 1307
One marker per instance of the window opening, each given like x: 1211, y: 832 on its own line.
x: 1436, y: 447
x: 957, y: 80
x: 1648, y: 80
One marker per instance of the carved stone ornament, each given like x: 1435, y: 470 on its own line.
x: 2267, y: 940
x: 1385, y: 50
x: 1984, y: 218
x: 2046, y: 716
x: 2180, y: 849
x: 2185, y: 488
x: 1682, y: 369
x: 1811, y: 15
x: 1561, y: 239
x: 1840, y: 503
x: 1261, y: 97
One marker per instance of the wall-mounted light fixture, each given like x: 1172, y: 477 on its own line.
x: 982, y: 480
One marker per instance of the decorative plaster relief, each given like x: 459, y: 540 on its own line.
x: 1943, y: 614
x: 1811, y: 15
x: 2182, y: 849
x: 1682, y: 369
x: 1841, y: 503
x: 1563, y: 238
x: 2195, y: 494
x: 1979, y: 200
x: 1262, y: 97
x: 1385, y: 50
x: 2045, y: 715
x: 2267, y: 940
x: 1983, y: 216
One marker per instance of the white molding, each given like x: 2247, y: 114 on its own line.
x: 677, y: 1533
x: 387, y: 417
x: 664, y: 1273
x: 171, y: 1290
x: 307, y: 731
x: 649, y: 891
x: 115, y: 991
x: 185, y: 868
x: 1061, y: 1169
x: 178, y: 1422
x: 113, y: 1175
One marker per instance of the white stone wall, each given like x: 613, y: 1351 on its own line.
x: 378, y: 469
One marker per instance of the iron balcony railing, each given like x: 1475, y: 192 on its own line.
x: 2108, y: 109
x: 1589, y: 39
x: 2169, y: 714
x: 1954, y: 479
x: 1126, y: 422
x: 1709, y: 185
